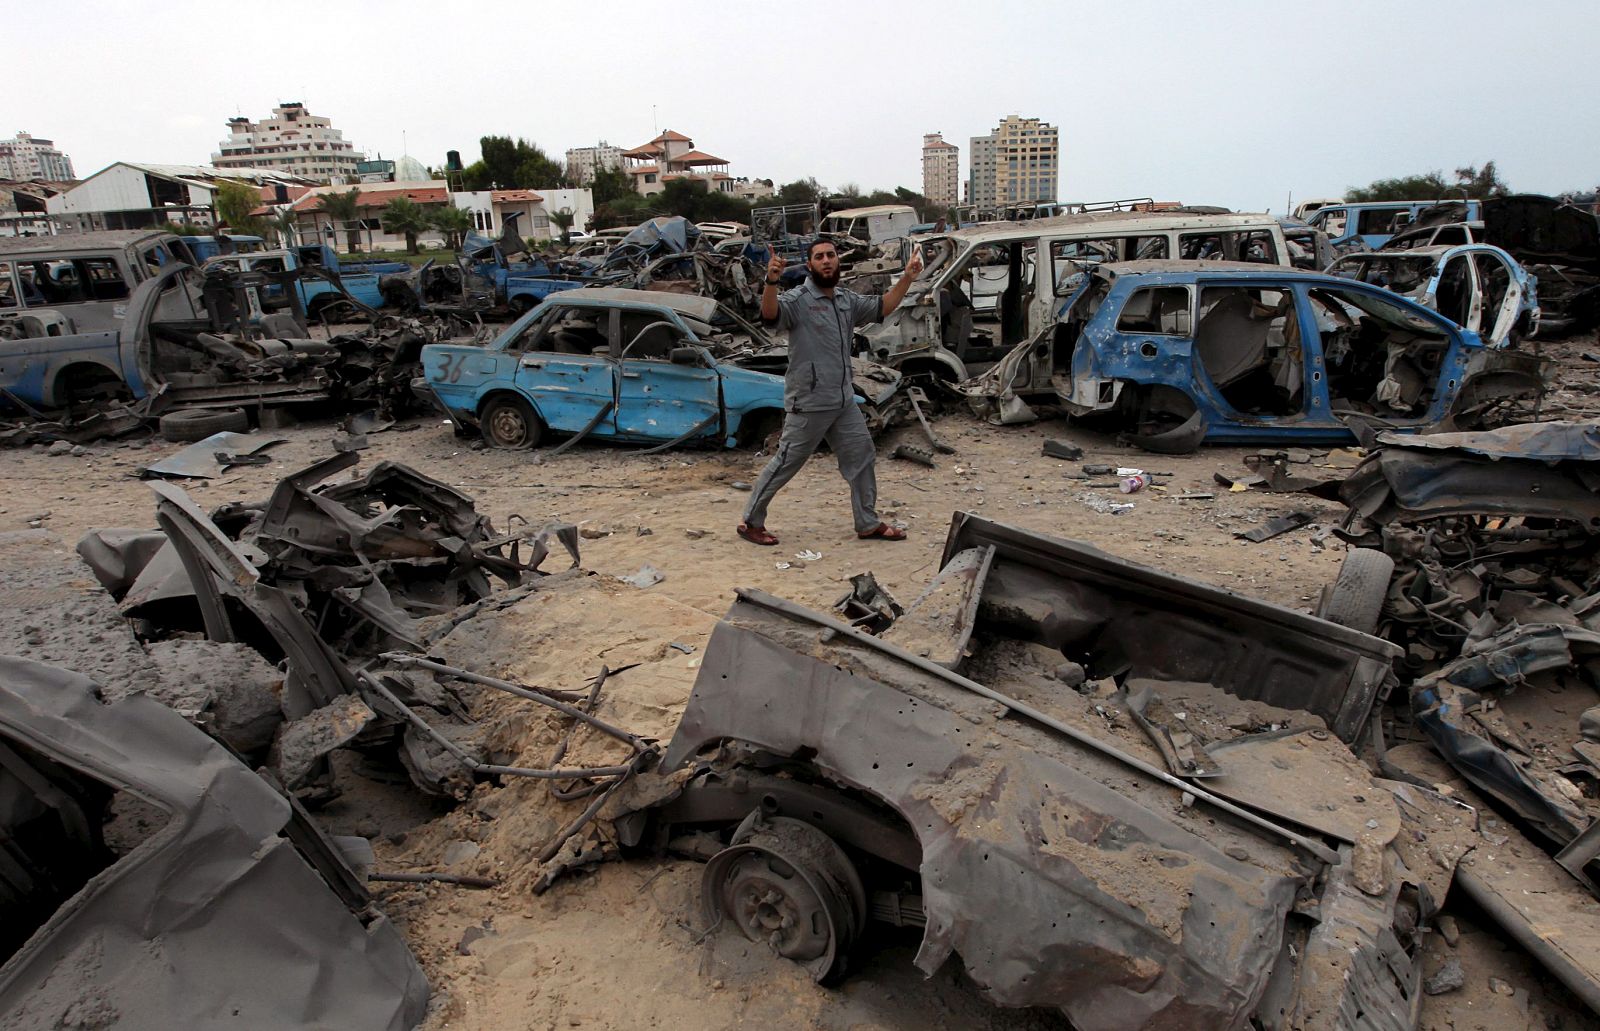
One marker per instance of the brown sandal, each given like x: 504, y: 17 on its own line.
x: 883, y: 532
x: 757, y: 535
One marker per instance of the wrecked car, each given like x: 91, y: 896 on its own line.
x: 1369, y: 225
x: 1181, y: 353
x: 330, y: 293
x: 627, y: 365
x: 1556, y: 241
x: 78, y: 284
x: 325, y: 577
x: 193, y: 339
x: 149, y: 879
x: 992, y: 271
x: 1068, y: 770
x: 1476, y: 286
x: 1478, y: 555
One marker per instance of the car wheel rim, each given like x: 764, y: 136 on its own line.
x: 508, y: 428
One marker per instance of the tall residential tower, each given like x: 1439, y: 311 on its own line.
x: 941, y: 170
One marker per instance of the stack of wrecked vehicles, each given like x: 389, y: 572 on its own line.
x: 198, y: 350
x: 147, y: 877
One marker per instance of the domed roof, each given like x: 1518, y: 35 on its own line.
x: 408, y: 169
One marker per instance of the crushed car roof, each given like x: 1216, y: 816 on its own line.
x: 693, y: 305
x: 1168, y: 219
x: 79, y: 241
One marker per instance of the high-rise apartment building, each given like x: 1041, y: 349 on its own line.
x: 583, y: 162
x: 28, y: 157
x: 1017, y: 163
x: 292, y: 140
x: 941, y: 170
x: 980, y: 175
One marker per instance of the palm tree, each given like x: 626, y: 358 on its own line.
x: 405, y: 216
x: 283, y: 225
x: 563, y: 220
x: 453, y: 222
x: 346, y: 208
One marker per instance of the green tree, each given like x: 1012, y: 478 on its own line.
x: 801, y: 191
x: 1473, y: 181
x: 627, y: 210
x: 519, y: 165
x: 610, y: 184
x: 475, y: 177
x: 346, y: 208
x: 562, y: 219
x: 1481, y: 182
x: 283, y: 226
x: 408, y: 218
x: 235, y: 201
x: 453, y: 222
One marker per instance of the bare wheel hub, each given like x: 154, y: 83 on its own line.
x: 787, y: 884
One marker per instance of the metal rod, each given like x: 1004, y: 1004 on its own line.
x: 590, y: 811
x: 632, y: 740
x: 787, y: 608
x: 463, y: 880
x: 467, y: 760
x: 403, y: 659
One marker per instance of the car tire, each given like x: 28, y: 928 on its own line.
x: 510, y: 423
x: 1356, y: 598
x: 194, y: 424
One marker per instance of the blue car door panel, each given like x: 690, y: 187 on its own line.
x: 568, y: 389
x: 660, y: 400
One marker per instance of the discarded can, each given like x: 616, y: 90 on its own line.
x: 1135, y: 483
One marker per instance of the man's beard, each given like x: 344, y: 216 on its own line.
x: 825, y: 281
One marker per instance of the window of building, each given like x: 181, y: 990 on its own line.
x: 649, y: 177
x: 541, y: 221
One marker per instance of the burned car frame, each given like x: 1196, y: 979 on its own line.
x: 1476, y: 286
x: 236, y: 909
x: 639, y: 366
x: 1224, y: 352
x: 928, y: 777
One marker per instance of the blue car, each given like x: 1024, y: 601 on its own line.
x: 1184, y: 352
x: 626, y: 365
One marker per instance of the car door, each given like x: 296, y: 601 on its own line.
x: 657, y: 398
x: 1453, y: 291
x: 568, y: 387
x: 1499, y: 297
x: 1251, y: 353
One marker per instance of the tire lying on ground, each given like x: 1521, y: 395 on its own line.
x: 199, y: 423
x: 1356, y: 598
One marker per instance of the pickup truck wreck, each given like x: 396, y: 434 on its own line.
x: 205, y: 339
x: 1185, y: 352
x: 1109, y: 790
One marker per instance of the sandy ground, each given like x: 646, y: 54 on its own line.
x: 625, y: 947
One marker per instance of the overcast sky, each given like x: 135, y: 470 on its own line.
x: 1232, y: 103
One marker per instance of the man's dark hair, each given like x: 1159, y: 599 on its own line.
x: 814, y: 244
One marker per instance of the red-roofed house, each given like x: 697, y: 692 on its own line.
x: 672, y: 155
x: 312, y: 223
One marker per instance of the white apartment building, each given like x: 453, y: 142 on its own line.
x: 28, y: 157
x: 941, y: 170
x: 582, y: 162
x: 292, y: 140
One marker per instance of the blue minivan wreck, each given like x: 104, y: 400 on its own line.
x: 1185, y: 352
x: 627, y: 365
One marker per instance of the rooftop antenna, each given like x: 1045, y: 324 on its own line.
x: 654, y: 123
